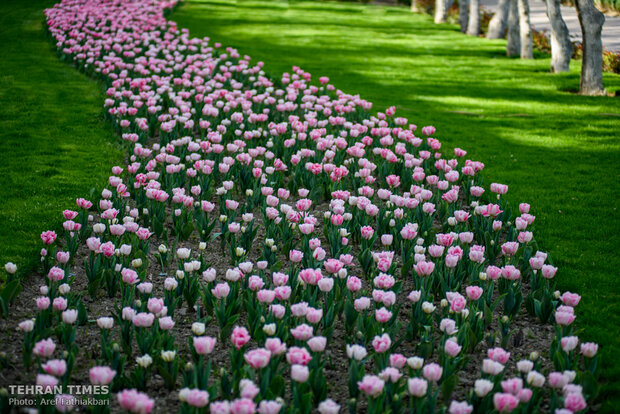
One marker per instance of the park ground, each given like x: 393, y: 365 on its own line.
x: 556, y: 150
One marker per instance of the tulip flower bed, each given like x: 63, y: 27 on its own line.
x: 272, y: 245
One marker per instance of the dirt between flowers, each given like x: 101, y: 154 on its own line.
x: 529, y: 334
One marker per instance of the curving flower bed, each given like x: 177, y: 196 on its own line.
x: 273, y: 246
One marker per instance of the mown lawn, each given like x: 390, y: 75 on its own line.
x: 557, y: 150
x: 54, y: 143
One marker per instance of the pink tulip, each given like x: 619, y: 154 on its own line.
x: 257, y: 358
x: 417, y: 387
x: 505, y: 403
x: 298, y: 356
x: 221, y: 290
x: 101, y: 375
x: 194, y: 397
x: 59, y: 304
x: 269, y: 407
x: 512, y: 386
x: 47, y: 382
x: 432, y: 372
x: 48, y: 237
x: 564, y: 318
x: 135, y: 401
x: 143, y: 320
x: 371, y: 385
x: 460, y: 408
x: 43, y: 303
x: 473, y: 292
x: 275, y: 346
x: 570, y: 299
x: 382, y: 343
x: 575, y: 402
x: 569, y: 343
x: 239, y: 337
x: 424, y: 268
x: 55, y: 367
x: 302, y: 332
x: 55, y: 274
x: 452, y: 348
x: 589, y: 349
x: 204, y: 345
x: 498, y: 355
x: 299, y: 373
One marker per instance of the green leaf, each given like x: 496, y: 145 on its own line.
x: 277, y: 385
x: 590, y: 385
x: 447, y: 387
x: 11, y: 290
x: 82, y: 315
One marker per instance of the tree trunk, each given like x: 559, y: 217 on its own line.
x: 463, y: 14
x: 497, y: 25
x: 561, y: 46
x: 414, y: 7
x: 441, y: 11
x: 513, y: 44
x: 525, y: 27
x: 591, y: 21
x: 473, y: 27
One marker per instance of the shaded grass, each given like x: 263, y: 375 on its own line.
x: 54, y: 143
x: 555, y: 149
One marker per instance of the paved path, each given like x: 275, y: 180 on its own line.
x: 538, y: 16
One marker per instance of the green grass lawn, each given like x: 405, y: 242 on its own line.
x: 54, y: 143
x: 555, y: 149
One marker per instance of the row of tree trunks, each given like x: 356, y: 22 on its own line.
x: 499, y: 21
x: 473, y: 27
x: 463, y: 15
x: 512, y: 20
x: 591, y: 21
x: 525, y: 27
x: 513, y: 37
x: 561, y: 46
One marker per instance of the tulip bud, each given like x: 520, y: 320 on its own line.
x: 269, y: 329
x: 168, y: 356
x: 144, y: 361
x: 198, y: 328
